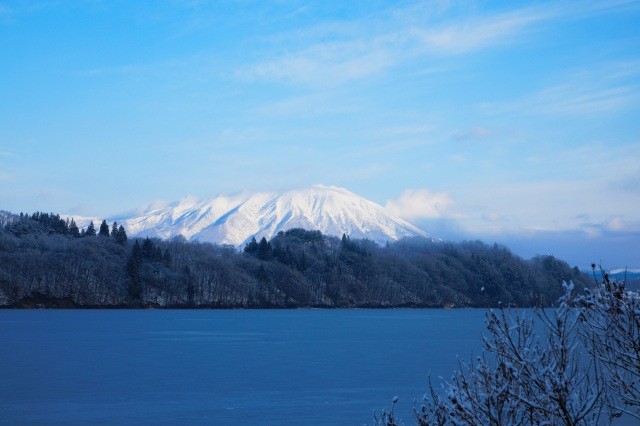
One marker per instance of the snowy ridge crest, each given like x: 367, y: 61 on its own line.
x: 236, y: 219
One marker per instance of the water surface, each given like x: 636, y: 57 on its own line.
x: 304, y: 366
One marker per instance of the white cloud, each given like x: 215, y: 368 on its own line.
x: 578, y: 189
x: 420, y: 204
x: 152, y: 206
x: 622, y: 224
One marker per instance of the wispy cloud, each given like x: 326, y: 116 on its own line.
x: 6, y: 177
x: 478, y: 32
x: 326, y: 63
x: 494, y: 217
x: 368, y: 171
x: 117, y: 70
x: 332, y: 54
x: 15, y: 9
x: 305, y: 105
x: 390, y: 147
x: 363, y: 48
x: 581, y: 99
x: 607, y: 88
x: 628, y: 182
x: 473, y: 134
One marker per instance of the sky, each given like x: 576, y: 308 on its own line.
x: 514, y: 122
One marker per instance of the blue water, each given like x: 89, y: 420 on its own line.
x: 224, y: 366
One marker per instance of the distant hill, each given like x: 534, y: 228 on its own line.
x: 46, y: 261
x: 632, y: 276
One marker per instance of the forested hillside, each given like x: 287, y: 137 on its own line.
x: 46, y: 261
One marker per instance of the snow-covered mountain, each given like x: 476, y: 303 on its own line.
x: 236, y: 219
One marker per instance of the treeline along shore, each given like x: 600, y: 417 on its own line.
x: 46, y: 261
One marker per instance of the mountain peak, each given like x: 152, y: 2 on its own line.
x: 235, y: 219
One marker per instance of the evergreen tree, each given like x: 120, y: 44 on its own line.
x: 114, y: 230
x: 121, y: 236
x: 301, y: 264
x: 190, y: 284
x: 263, y: 277
x: 166, y: 258
x: 148, y: 249
x: 133, y: 274
x: 264, y: 249
x: 73, y: 229
x: 90, y: 231
x: 104, y: 229
x: 252, y: 247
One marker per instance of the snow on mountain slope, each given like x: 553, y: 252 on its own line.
x: 618, y: 271
x: 236, y: 219
x: 332, y: 211
x: 83, y: 221
x: 238, y: 224
x: 187, y: 217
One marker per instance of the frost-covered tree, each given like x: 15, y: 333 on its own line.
x: 523, y: 377
x: 585, y: 364
x: 611, y: 333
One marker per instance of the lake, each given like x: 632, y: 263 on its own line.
x: 303, y: 366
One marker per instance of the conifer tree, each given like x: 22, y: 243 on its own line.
x: 148, y: 249
x: 104, y: 229
x: 344, y: 240
x: 114, y: 230
x: 73, y: 229
x: 90, y: 231
x: 133, y: 275
x: 121, y: 236
x: 264, y: 249
x: 262, y: 274
x: 252, y: 247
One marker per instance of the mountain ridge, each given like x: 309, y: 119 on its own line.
x: 236, y: 219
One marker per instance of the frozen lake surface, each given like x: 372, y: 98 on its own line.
x: 304, y: 366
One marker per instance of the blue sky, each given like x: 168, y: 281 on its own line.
x: 516, y: 122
